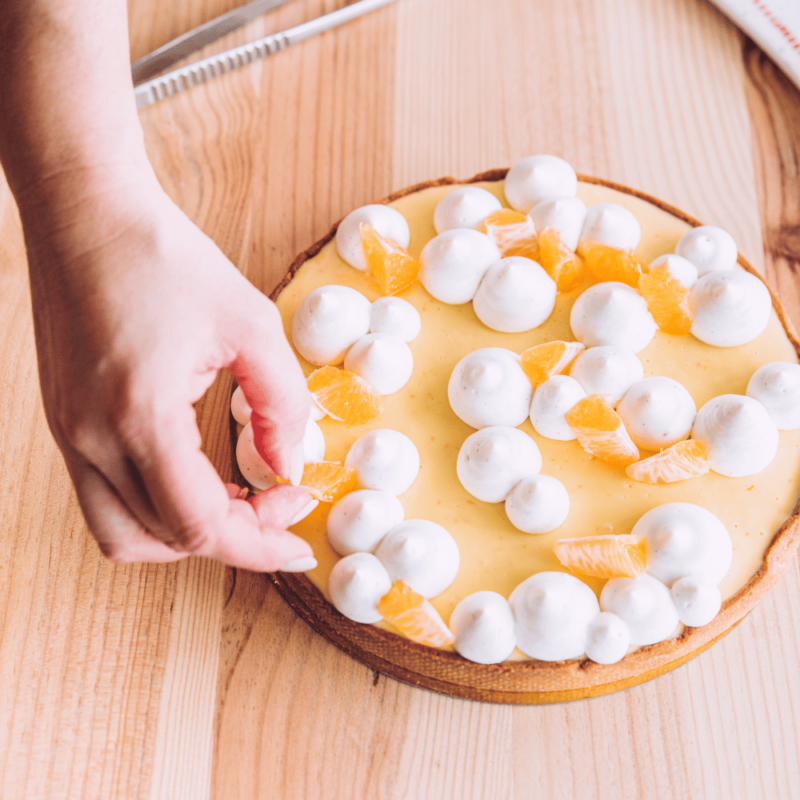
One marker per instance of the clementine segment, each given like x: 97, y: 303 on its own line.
x: 328, y: 481
x: 683, y: 460
x: 611, y: 264
x: 391, y: 266
x: 513, y: 233
x: 612, y: 556
x: 344, y: 396
x: 414, y: 616
x: 551, y: 358
x: 566, y: 268
x: 601, y: 432
x: 667, y: 300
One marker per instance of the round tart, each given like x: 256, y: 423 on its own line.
x: 759, y: 511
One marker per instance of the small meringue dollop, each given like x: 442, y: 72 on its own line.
x: 657, y: 412
x: 494, y: 460
x: 607, y: 371
x: 420, y: 553
x: 777, y: 387
x: 683, y: 540
x: 484, y: 628
x: 644, y: 604
x: 240, y: 408
x: 361, y: 519
x: 328, y: 322
x: 614, y: 314
x: 393, y: 315
x: 612, y: 225
x: 679, y: 267
x: 538, y: 504
x: 356, y: 584
x: 731, y: 307
x: 608, y: 639
x: 553, y: 612
x: 536, y: 178
x: 697, y: 603
x: 383, y: 360
x: 386, y: 220
x: 313, y: 442
x: 565, y: 215
x: 737, y: 433
x: 385, y: 460
x: 515, y: 295
x: 551, y: 402
x: 709, y: 248
x: 464, y: 207
x: 454, y: 262
x: 488, y: 387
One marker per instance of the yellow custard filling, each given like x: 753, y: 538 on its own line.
x: 495, y: 555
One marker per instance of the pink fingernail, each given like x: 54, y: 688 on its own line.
x: 304, y: 511
x: 300, y: 564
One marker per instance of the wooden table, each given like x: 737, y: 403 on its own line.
x: 193, y: 681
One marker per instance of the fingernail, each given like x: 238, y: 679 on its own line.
x: 298, y: 462
x: 304, y: 511
x: 300, y: 564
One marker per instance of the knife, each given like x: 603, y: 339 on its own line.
x: 207, y: 69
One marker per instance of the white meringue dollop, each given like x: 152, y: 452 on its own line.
x: 536, y: 178
x: 538, y: 504
x: 356, y: 584
x: 420, y: 553
x: 608, y: 639
x: 644, y: 604
x: 484, y: 628
x: 737, y: 433
x: 328, y: 322
x: 777, y: 387
x: 313, y: 442
x: 488, y: 387
x: 679, y: 267
x: 464, y: 207
x: 383, y: 360
x: 454, y: 262
x: 551, y: 402
x: 731, y: 307
x: 607, y: 371
x: 565, y: 215
x: 386, y: 221
x: 240, y: 408
x: 494, y: 460
x: 696, y: 602
x: 709, y: 248
x: 657, y: 412
x: 385, y: 460
x: 255, y: 470
x: 614, y: 314
x: 397, y: 316
x: 359, y: 520
x: 612, y: 225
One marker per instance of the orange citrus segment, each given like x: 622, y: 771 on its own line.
x: 414, y: 616
x: 328, y: 481
x: 601, y: 432
x: 561, y: 264
x: 344, y: 396
x: 612, y: 556
x: 551, y: 358
x: 610, y: 264
x: 683, y: 460
x: 667, y: 300
x: 513, y: 233
x: 392, y: 267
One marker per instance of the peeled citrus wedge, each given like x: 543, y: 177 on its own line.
x: 667, y: 300
x: 610, y: 264
x: 612, y: 556
x: 328, y: 481
x: 391, y: 266
x: 414, y: 616
x: 513, y: 233
x: 601, y: 432
x: 683, y: 460
x: 551, y: 358
x: 344, y: 396
x: 566, y: 268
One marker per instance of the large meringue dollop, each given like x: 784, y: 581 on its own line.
x: 538, y: 504
x: 328, y: 322
x: 356, y: 583
x: 420, y: 553
x: 454, y: 262
x: 565, y: 215
x: 709, y: 248
x: 484, y: 628
x: 515, y: 295
x: 738, y: 434
x: 464, y: 207
x: 488, y: 387
x: 494, y: 460
x: 536, y: 178
x: 612, y: 225
x: 614, y: 314
x: 551, y: 402
x: 731, y: 307
x: 385, y: 220
x: 393, y: 315
x: 361, y: 519
x: 684, y: 540
x: 553, y: 612
x: 657, y: 412
x: 777, y: 387
x: 607, y: 371
x: 383, y: 360
x: 385, y: 460
x: 644, y: 604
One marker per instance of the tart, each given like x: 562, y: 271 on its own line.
x: 758, y: 511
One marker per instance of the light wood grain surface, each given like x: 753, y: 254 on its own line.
x: 192, y: 681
